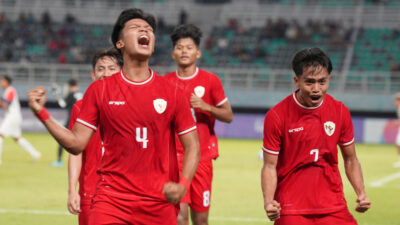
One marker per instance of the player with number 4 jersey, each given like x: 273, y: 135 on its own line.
x: 300, y: 178
x: 138, y: 113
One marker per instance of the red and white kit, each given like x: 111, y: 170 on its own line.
x: 138, y: 121
x: 209, y: 88
x: 306, y: 139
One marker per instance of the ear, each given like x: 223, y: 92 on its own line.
x: 173, y: 55
x: 296, y: 81
x: 198, y: 54
x: 120, y: 44
x: 92, y: 75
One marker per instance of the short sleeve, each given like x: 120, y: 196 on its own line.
x: 347, y: 132
x: 272, y: 133
x: 89, y: 114
x: 10, y: 95
x: 74, y: 115
x: 217, y: 92
x: 183, y: 121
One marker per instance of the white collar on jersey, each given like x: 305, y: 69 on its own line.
x: 189, y: 77
x: 301, y: 105
x: 137, y: 83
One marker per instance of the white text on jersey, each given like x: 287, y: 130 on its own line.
x: 296, y: 129
x: 116, y: 103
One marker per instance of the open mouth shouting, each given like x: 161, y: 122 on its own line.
x: 315, y: 99
x: 144, y: 41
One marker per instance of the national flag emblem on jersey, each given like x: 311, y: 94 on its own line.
x: 329, y: 128
x: 160, y: 105
x: 199, y: 91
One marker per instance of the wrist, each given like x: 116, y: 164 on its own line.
x: 43, y: 114
x: 184, y: 181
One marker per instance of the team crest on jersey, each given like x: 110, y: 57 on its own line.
x: 329, y: 127
x: 199, y: 91
x: 160, y: 105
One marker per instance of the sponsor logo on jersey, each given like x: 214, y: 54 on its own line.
x: 116, y: 103
x: 199, y: 91
x: 296, y: 129
x: 160, y: 105
x: 329, y: 127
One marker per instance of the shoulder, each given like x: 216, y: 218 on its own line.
x: 208, y: 74
x: 78, y: 104
x: 170, y: 75
x: 333, y: 102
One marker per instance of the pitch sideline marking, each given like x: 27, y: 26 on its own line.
x: 386, y: 179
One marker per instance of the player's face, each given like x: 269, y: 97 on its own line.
x: 186, y: 52
x: 312, y: 85
x: 137, y: 39
x: 105, y: 67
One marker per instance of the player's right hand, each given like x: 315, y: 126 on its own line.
x: 363, y: 203
x: 37, y: 98
x: 74, y: 203
x: 173, y: 192
x: 273, y: 210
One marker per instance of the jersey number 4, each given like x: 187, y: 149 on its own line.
x: 142, y: 136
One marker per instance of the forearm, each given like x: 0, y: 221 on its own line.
x: 74, y: 170
x: 66, y: 138
x: 191, y: 158
x: 354, y: 174
x: 221, y: 114
x: 269, y: 181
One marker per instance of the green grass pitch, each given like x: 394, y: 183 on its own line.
x: 36, y: 194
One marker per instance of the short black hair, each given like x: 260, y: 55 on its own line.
x: 7, y: 78
x: 125, y: 16
x: 72, y: 82
x: 186, y: 31
x: 310, y: 57
x: 111, y: 52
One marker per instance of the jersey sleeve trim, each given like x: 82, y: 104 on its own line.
x: 348, y: 143
x: 187, y: 131
x: 86, y: 124
x: 270, y: 151
x: 6, y: 101
x: 222, y: 102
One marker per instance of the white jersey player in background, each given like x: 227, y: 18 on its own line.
x: 12, y: 121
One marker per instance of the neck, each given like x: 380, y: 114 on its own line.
x: 136, y: 70
x: 186, y: 71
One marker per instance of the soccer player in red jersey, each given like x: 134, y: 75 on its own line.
x: 206, y: 95
x: 300, y: 177
x: 138, y: 113
x: 82, y: 168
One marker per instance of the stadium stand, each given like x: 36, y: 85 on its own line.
x: 247, y: 43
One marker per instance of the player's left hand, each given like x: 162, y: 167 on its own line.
x: 173, y: 192
x: 198, y: 103
x: 363, y: 203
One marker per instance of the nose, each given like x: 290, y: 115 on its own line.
x: 316, y: 87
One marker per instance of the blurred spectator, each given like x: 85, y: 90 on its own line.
x: 183, y: 16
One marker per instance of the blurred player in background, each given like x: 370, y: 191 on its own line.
x: 12, y: 121
x: 82, y: 168
x: 138, y: 113
x: 67, y: 103
x: 397, y: 104
x: 300, y: 178
x: 206, y: 95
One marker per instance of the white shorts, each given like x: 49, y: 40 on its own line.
x: 10, y: 127
x: 398, y: 138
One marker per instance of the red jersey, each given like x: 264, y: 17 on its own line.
x: 138, y: 121
x: 91, y: 158
x: 305, y: 140
x: 209, y: 88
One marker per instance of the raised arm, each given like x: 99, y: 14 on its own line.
x: 269, y: 180
x: 221, y: 112
x: 75, y: 140
x: 354, y: 174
